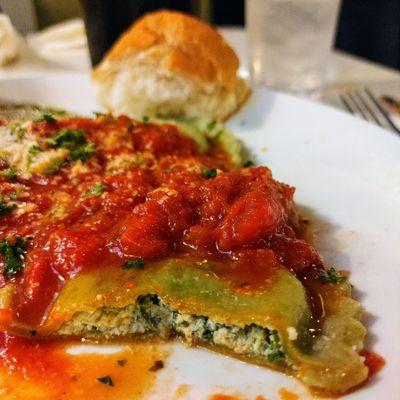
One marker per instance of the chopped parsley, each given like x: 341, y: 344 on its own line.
x: 135, y: 263
x: 14, y: 252
x: 248, y: 163
x: 48, y: 117
x: 156, y: 366
x: 96, y: 190
x: 35, y: 149
x: 122, y: 362
x: 99, y: 114
x: 330, y: 276
x: 9, y: 174
x: 209, y: 173
x: 145, y: 119
x: 5, y: 208
x: 74, y: 140
x: 106, y: 380
x: 83, y: 153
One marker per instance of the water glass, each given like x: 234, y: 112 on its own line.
x: 289, y: 43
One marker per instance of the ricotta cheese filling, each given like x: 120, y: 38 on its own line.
x: 151, y: 316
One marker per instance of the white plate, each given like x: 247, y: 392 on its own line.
x: 347, y: 174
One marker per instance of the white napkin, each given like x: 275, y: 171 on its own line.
x: 67, y: 35
x: 9, y: 41
x: 64, y: 44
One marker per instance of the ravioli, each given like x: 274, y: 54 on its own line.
x: 153, y: 230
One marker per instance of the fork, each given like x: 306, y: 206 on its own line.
x: 364, y: 103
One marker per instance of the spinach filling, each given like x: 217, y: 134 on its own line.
x: 251, y: 339
x: 151, y: 316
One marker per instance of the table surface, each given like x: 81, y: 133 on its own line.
x: 345, y: 71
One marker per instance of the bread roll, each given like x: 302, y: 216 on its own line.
x: 170, y: 64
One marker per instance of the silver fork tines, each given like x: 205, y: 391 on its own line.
x: 365, y: 104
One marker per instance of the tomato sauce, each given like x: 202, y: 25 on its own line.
x: 146, y: 192
x: 218, y: 396
x: 373, y: 361
x: 285, y: 394
x: 43, y: 369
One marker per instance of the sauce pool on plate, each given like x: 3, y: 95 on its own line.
x: 41, y: 370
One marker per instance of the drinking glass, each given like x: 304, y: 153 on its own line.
x: 289, y: 43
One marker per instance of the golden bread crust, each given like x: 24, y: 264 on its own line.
x: 197, y: 50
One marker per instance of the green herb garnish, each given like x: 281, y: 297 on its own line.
x: 83, y: 153
x: 5, y: 208
x: 331, y: 276
x: 35, y: 149
x: 145, y: 119
x: 75, y: 141
x: 67, y: 138
x: 14, y: 252
x: 122, y: 362
x: 248, y: 163
x: 96, y: 190
x: 209, y: 173
x: 135, y: 263
x: 156, y: 366
x: 46, y: 117
x: 106, y: 380
x: 9, y: 174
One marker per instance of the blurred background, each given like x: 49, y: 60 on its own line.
x: 366, y: 28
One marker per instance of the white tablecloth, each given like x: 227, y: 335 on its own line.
x: 346, y: 72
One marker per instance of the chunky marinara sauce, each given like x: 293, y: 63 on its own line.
x: 145, y: 192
